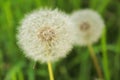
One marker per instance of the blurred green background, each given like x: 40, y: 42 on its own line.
x: 78, y: 65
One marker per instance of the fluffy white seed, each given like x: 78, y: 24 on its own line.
x: 89, y: 26
x: 46, y: 35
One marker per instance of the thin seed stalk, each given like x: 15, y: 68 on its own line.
x: 95, y: 61
x: 50, y: 71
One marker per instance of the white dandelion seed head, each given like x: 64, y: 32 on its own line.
x: 45, y: 35
x: 89, y: 26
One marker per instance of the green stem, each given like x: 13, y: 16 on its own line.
x: 105, y: 57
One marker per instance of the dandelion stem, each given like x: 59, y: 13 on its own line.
x: 95, y: 61
x: 34, y: 65
x: 50, y: 71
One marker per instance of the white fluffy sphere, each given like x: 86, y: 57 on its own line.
x: 46, y: 35
x: 89, y: 26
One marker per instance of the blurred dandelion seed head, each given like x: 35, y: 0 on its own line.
x: 46, y: 35
x: 89, y: 26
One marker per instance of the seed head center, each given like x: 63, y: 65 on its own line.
x: 84, y: 26
x: 46, y: 34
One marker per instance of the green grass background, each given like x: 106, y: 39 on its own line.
x: 78, y: 64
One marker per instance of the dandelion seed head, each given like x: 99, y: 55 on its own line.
x: 89, y: 26
x: 46, y: 35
